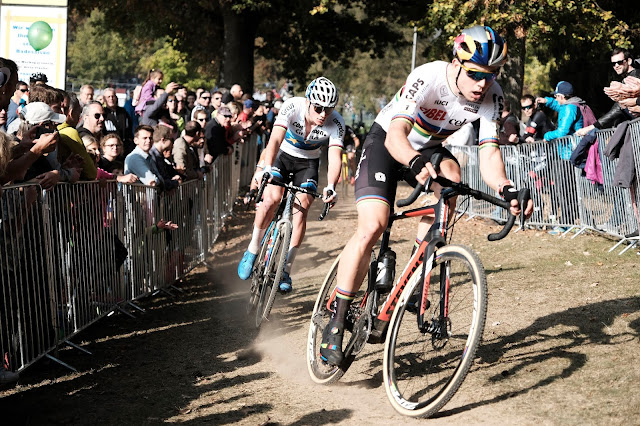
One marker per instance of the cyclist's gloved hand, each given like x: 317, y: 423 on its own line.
x: 510, y: 193
x: 329, y: 194
x: 416, y: 165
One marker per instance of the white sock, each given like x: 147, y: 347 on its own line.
x: 291, y: 256
x: 256, y: 237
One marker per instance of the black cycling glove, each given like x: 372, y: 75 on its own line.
x: 509, y: 193
x: 416, y: 164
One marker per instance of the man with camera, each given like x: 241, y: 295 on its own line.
x: 537, y: 121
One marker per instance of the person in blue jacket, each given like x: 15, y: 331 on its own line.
x: 569, y: 116
x: 569, y: 120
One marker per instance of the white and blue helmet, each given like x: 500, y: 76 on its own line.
x: 323, y: 92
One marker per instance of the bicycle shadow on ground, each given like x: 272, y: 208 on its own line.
x: 584, y: 325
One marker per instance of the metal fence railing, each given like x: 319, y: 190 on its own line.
x: 73, y: 254
x: 561, y: 194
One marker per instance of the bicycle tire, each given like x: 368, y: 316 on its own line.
x: 421, y: 371
x: 321, y: 372
x: 276, y: 267
x: 257, y: 275
x: 265, y: 282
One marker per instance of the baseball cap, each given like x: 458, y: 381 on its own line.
x: 248, y: 103
x: 564, y: 88
x: 38, y: 112
x: 224, y: 110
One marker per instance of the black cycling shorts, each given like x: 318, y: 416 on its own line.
x: 378, y: 172
x: 302, y: 171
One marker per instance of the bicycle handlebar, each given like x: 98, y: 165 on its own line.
x: 436, y: 159
x: 524, y: 195
x: 292, y: 187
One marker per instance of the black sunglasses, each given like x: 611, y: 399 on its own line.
x: 477, y: 75
x: 23, y: 90
x: 97, y: 115
x: 620, y: 62
x: 527, y: 107
x: 205, y: 97
x: 319, y: 108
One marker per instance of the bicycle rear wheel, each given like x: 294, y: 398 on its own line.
x: 422, y: 371
x: 321, y: 372
x: 273, y: 271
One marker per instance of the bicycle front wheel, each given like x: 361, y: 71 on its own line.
x: 424, y: 369
x: 257, y: 275
x: 273, y: 271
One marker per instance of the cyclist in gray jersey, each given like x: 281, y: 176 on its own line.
x: 436, y: 100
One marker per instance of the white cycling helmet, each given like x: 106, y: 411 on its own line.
x: 323, y: 92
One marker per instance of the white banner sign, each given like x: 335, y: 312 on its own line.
x: 17, y: 42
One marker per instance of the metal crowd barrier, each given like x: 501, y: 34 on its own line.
x: 76, y: 253
x: 562, y: 196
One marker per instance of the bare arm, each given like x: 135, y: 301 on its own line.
x: 277, y: 136
x: 335, y: 164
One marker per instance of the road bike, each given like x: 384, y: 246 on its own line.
x: 274, y: 247
x: 431, y: 320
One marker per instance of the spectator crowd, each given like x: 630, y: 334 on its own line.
x: 549, y: 119
x: 161, y: 136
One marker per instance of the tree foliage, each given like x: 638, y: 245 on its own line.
x: 96, y: 54
x: 573, y: 34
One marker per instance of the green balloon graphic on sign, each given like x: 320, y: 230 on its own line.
x: 40, y: 35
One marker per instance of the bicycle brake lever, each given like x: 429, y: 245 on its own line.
x: 524, y: 195
x: 327, y: 206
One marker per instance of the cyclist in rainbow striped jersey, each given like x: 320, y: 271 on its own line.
x: 436, y: 100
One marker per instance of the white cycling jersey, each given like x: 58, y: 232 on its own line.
x: 435, y: 111
x: 291, y: 118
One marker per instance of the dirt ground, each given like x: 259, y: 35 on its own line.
x: 561, y: 345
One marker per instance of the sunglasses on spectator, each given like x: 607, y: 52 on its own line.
x: 205, y: 97
x: 112, y: 145
x: 170, y: 100
x: 97, y: 115
x: 217, y: 98
x: 319, y: 109
x: 23, y: 90
x: 527, y: 106
x: 620, y: 62
x: 227, y: 116
x: 478, y: 75
x: 201, y: 119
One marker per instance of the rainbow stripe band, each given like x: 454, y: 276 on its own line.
x: 372, y: 198
x: 344, y: 294
x: 489, y: 142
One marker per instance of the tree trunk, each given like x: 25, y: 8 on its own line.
x: 512, y: 80
x: 239, y: 42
